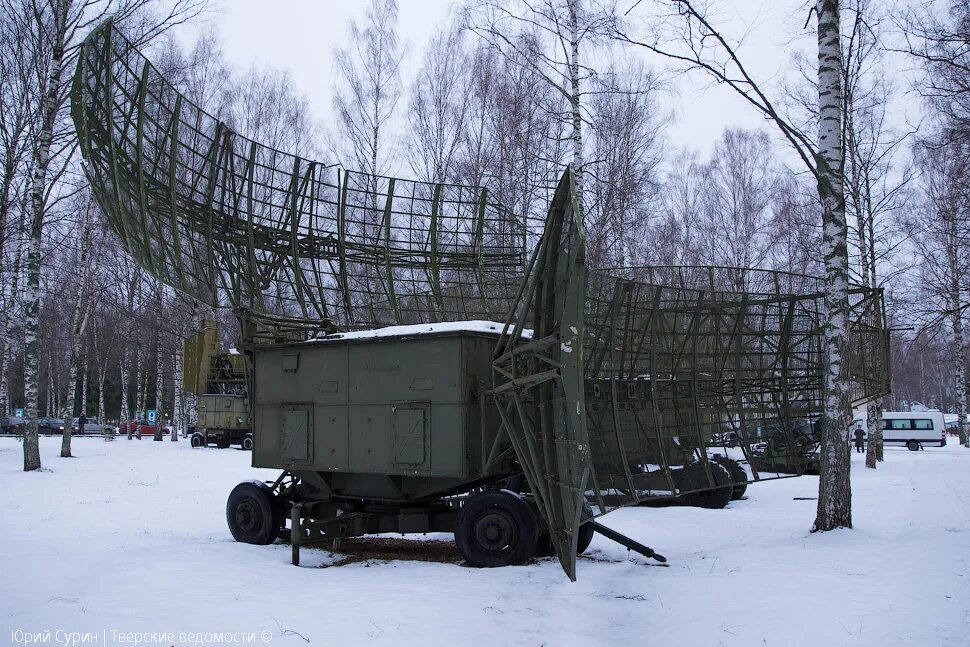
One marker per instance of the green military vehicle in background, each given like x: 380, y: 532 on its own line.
x: 218, y: 380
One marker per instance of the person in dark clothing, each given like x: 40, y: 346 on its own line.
x: 80, y: 424
x: 860, y: 440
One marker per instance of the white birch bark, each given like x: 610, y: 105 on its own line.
x: 84, y: 383
x: 159, y: 371
x: 101, y: 377
x: 79, y: 319
x: 177, y: 392
x: 575, y: 95
x: 5, y: 357
x: 7, y: 329
x: 47, y: 117
x: 835, y: 494
x: 956, y: 344
x: 141, y: 380
x: 125, y: 413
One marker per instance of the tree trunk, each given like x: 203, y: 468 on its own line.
x: 79, y: 318
x: 84, y: 383
x: 159, y: 373
x: 125, y: 413
x: 177, y: 392
x: 7, y: 329
x: 874, y: 431
x: 49, y: 106
x: 141, y: 380
x: 51, y: 405
x: 579, y: 164
x: 862, y: 207
x: 834, y: 493
x: 8, y: 286
x: 5, y: 357
x: 959, y: 362
x: 101, y: 376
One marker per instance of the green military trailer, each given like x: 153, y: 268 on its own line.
x: 218, y: 380
x: 419, y: 358
x: 382, y: 432
x: 223, y: 421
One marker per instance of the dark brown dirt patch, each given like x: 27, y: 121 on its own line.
x: 385, y: 549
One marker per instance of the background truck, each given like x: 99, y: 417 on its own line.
x: 219, y: 382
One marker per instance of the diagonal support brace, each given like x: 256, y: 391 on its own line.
x: 623, y: 540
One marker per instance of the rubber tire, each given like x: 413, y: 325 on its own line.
x: 713, y: 498
x: 912, y: 445
x: 258, y: 500
x: 515, y: 511
x: 198, y: 440
x: 247, y: 442
x: 585, y: 538
x: 738, y: 476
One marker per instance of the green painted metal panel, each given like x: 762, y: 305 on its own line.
x: 296, y: 435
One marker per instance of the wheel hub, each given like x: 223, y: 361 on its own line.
x: 495, y: 532
x: 248, y: 516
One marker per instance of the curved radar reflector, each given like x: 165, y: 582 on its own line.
x: 234, y: 223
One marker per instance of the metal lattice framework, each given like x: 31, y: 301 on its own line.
x: 232, y: 222
x: 635, y: 379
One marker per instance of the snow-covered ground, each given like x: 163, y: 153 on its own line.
x: 130, y: 536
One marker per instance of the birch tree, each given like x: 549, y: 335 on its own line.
x: 50, y: 54
x: 834, y: 496
x: 16, y: 106
x: 875, y: 186
x: 80, y: 307
x: 739, y: 186
x: 369, y: 89
x: 55, y: 29
x: 548, y: 37
x: 623, y: 193
x: 686, y: 36
x: 439, y: 107
x: 940, y: 231
x: 940, y: 42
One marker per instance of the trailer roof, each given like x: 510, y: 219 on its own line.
x: 476, y: 326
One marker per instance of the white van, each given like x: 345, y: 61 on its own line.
x: 911, y: 428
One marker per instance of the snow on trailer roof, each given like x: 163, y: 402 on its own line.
x: 412, y: 330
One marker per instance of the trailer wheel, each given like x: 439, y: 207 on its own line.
x: 714, y: 498
x: 198, y: 440
x: 251, y: 513
x: 496, y: 528
x: 738, y: 476
x: 912, y: 445
x: 247, y: 442
x: 544, y: 545
x: 585, y: 538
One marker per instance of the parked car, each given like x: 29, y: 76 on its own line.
x: 50, y: 425
x: 92, y: 426
x: 147, y: 428
x: 12, y: 425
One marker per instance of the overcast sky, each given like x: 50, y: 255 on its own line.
x: 299, y: 36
